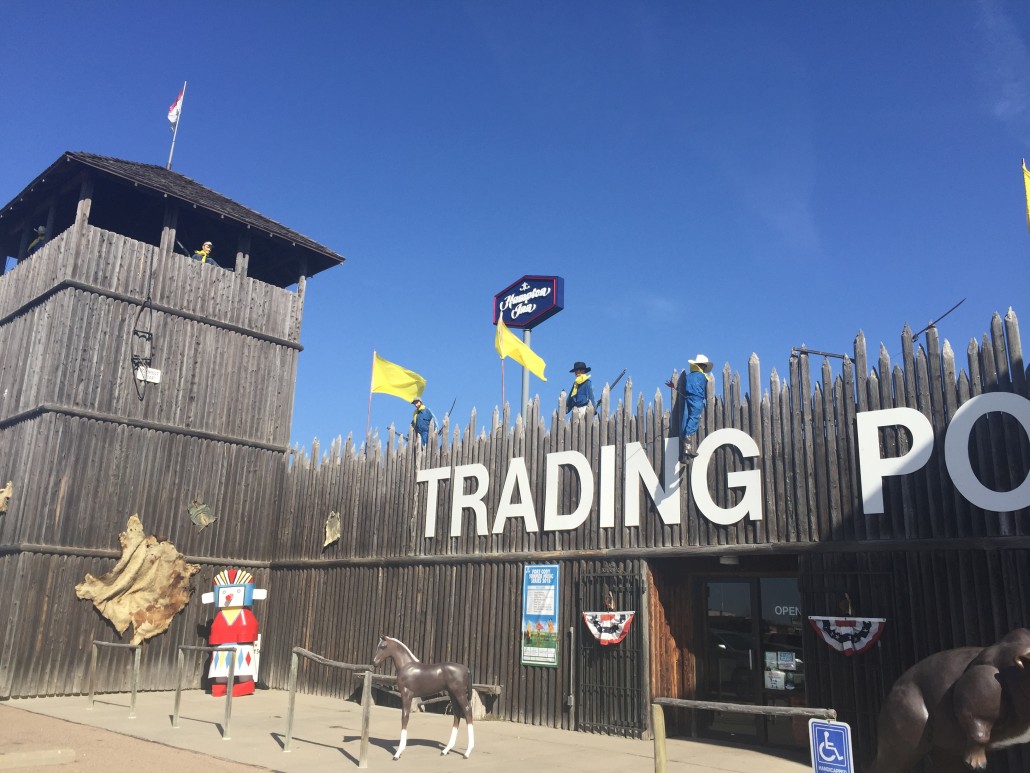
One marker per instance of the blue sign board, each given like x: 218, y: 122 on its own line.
x: 529, y: 301
x: 831, y: 747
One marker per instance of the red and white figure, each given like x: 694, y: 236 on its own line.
x: 176, y: 109
x: 609, y: 627
x: 850, y: 635
x: 235, y: 629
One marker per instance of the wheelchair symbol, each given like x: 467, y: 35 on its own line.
x: 827, y: 751
x: 830, y: 744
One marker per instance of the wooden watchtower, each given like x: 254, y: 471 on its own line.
x: 135, y: 379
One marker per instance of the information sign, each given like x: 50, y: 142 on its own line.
x: 540, y: 615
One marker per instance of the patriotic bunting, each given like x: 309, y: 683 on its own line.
x: 609, y: 627
x: 851, y: 635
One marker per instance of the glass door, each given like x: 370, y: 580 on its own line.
x: 753, y: 655
x: 783, y: 664
x: 730, y: 672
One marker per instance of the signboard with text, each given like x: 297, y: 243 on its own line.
x: 540, y: 615
x: 529, y: 301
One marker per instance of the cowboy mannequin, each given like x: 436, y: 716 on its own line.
x: 582, y: 393
x: 204, y: 254
x: 696, y: 396
x: 421, y: 420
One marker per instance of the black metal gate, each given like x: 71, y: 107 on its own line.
x: 610, y: 690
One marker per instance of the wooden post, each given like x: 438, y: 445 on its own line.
x: 294, y: 667
x: 85, y: 203
x: 135, y: 681
x: 171, y: 219
x: 658, y: 729
x: 243, y: 253
x: 366, y: 718
x: 82, y: 216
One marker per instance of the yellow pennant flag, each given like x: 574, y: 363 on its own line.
x: 391, y: 379
x: 1026, y: 185
x: 508, y: 344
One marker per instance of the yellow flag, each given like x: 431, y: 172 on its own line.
x: 1026, y: 185
x: 507, y: 344
x: 391, y: 379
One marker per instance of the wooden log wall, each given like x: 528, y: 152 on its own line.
x: 471, y: 614
x: 86, y: 445
x: 85, y: 453
x: 812, y: 500
x: 932, y: 600
x: 809, y: 466
x: 67, y: 321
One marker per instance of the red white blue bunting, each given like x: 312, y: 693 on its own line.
x: 850, y: 635
x: 609, y: 627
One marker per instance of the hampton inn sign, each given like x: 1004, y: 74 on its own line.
x: 516, y: 503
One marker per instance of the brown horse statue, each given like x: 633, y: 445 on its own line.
x: 418, y: 680
x: 956, y: 706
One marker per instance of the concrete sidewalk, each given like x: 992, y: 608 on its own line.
x: 327, y: 733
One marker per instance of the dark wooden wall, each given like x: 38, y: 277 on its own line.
x: 809, y: 466
x: 932, y: 600
x: 86, y: 446
x: 85, y: 452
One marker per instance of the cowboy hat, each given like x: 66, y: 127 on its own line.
x: 579, y: 366
x: 702, y: 362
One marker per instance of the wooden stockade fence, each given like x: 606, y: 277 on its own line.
x: 85, y: 453
x: 810, y: 484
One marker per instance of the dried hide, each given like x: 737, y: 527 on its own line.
x: 332, y: 529
x: 147, y: 588
x: 5, y: 496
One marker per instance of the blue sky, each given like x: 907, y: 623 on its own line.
x: 724, y: 177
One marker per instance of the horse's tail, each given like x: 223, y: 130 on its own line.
x: 469, y: 686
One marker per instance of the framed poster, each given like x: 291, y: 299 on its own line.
x: 540, y: 640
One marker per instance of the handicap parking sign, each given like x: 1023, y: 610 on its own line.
x: 831, y: 747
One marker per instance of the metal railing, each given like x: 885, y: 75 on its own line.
x: 137, y: 649
x: 228, y: 686
x: 658, y: 706
x: 366, y: 697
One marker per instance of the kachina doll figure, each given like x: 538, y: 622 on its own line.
x: 234, y: 626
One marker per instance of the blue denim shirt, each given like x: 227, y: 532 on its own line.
x: 584, y: 396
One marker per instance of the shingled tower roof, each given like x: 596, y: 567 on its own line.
x: 131, y: 195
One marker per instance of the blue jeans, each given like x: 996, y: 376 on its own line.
x: 695, y: 406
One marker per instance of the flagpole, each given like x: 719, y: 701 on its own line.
x: 525, y: 377
x: 175, y: 131
x: 371, y: 382
x: 502, y: 386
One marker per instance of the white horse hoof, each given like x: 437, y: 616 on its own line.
x: 396, y: 757
x: 467, y: 755
x: 444, y: 752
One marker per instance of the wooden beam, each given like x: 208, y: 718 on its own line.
x: 243, y: 253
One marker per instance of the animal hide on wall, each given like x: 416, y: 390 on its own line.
x: 148, y: 586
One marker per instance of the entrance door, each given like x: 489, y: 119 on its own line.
x: 752, y: 654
